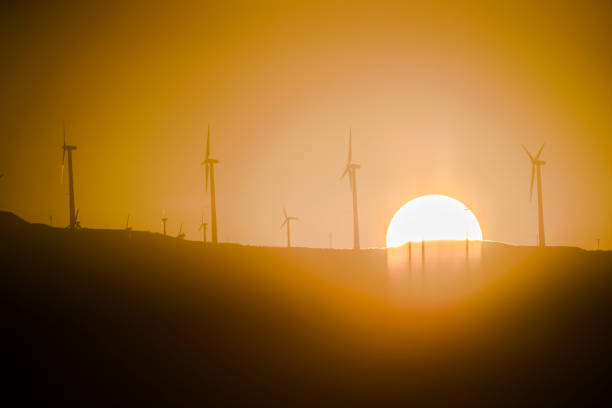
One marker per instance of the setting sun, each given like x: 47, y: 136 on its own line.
x: 432, y: 217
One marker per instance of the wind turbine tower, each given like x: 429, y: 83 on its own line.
x: 287, y: 221
x: 350, y: 170
x: 202, y: 228
x: 69, y: 149
x: 536, y: 170
x: 163, y: 220
x: 209, y: 164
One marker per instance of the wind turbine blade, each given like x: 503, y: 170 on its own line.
x: 532, y: 180
x: 528, y: 154
x: 283, y: 223
x: 284, y: 212
x: 208, y: 143
x: 540, y: 151
x: 350, y: 152
x: 345, y: 171
x: 76, y: 216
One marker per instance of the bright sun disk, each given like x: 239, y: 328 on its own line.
x: 432, y: 217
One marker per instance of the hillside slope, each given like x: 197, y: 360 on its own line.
x: 100, y: 317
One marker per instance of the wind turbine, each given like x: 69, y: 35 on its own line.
x: 127, y: 224
x: 69, y: 149
x: 536, y: 168
x: 209, y: 164
x: 202, y: 228
x: 181, y: 234
x: 350, y: 170
x: 287, y: 221
x: 163, y: 220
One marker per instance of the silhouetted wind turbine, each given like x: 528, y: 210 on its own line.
x: 163, y: 220
x: 202, y: 228
x: 69, y: 149
x: 350, y: 170
x: 127, y: 224
x: 76, y: 219
x: 181, y: 234
x: 287, y: 221
x: 209, y: 164
x: 536, y: 168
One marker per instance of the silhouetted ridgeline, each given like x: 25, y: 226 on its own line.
x: 100, y: 317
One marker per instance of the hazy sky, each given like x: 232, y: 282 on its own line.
x: 439, y: 97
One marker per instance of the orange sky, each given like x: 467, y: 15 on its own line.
x: 439, y: 97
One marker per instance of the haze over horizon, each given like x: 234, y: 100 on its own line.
x: 439, y: 97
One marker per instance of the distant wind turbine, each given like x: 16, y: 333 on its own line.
x: 350, y: 170
x: 536, y: 168
x: 164, y: 219
x: 69, y: 149
x: 209, y: 164
x: 287, y: 221
x: 181, y: 234
x: 127, y: 224
x: 202, y: 228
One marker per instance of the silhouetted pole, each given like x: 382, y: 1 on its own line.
x: 71, y: 190
x: 163, y: 220
x: 355, y: 214
x: 542, y: 242
x: 289, y: 234
x: 213, y: 204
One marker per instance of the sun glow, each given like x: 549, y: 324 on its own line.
x: 432, y: 217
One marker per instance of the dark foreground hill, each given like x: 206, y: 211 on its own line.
x: 110, y: 318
